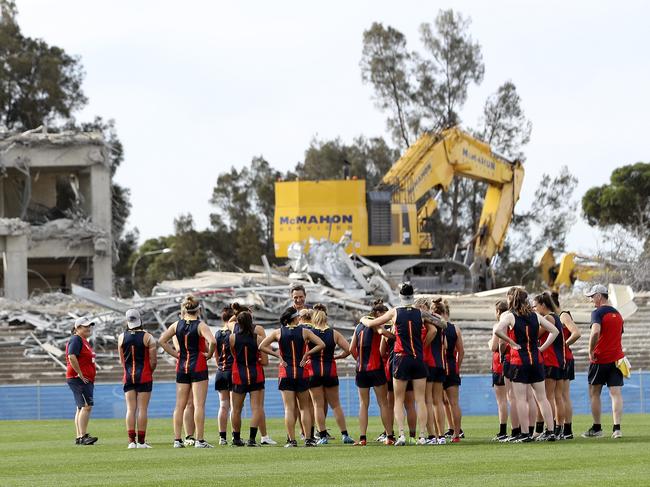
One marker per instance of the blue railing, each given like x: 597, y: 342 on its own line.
x: 54, y: 401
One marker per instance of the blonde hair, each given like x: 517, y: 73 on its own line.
x: 306, y: 314
x: 319, y: 319
x: 422, y: 302
x: 190, y: 305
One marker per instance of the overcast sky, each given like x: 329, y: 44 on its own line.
x: 196, y: 87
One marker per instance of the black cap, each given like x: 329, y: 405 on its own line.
x: 406, y: 289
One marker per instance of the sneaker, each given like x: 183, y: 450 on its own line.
x: 442, y: 440
x: 592, y: 433
x: 251, y: 443
x: 421, y: 441
x: 322, y: 441
x: 462, y: 434
x: 381, y: 438
x: 291, y: 444
x: 401, y: 441
x: 144, y: 445
x: 449, y: 433
x: 132, y: 445
x: 328, y: 436
x: 223, y: 442
x: 310, y: 442
x: 178, y: 444
x: 202, y: 444
x: 455, y: 439
x: 617, y: 434
x: 499, y: 437
x: 189, y: 441
x: 77, y: 441
x: 567, y: 436
x: 536, y: 435
x: 347, y: 440
x: 267, y: 440
x: 87, y: 440
x: 432, y: 441
x: 389, y: 441
x: 360, y: 443
x: 524, y: 438
x: 237, y: 442
x: 546, y: 436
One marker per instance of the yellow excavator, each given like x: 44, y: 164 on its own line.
x: 390, y: 221
x: 572, y: 267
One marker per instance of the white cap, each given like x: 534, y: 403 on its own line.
x: 83, y: 321
x: 597, y: 289
x: 133, y: 319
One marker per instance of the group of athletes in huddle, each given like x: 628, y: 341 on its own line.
x: 410, y: 355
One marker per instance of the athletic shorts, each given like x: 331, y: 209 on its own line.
x: 144, y: 387
x: 555, y: 373
x: 498, y: 380
x: 507, y: 370
x: 295, y: 385
x: 451, y: 380
x: 223, y: 380
x: 245, y: 388
x: 370, y: 378
x: 183, y: 378
x: 406, y: 367
x: 601, y: 374
x: 323, y: 381
x: 82, y: 391
x: 570, y: 370
x: 527, y: 374
x: 436, y: 374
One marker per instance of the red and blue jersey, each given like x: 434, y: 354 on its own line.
x: 408, y: 331
x: 367, y: 349
x: 292, y: 347
x: 80, y: 348
x: 435, y: 352
x: 323, y: 364
x: 568, y: 354
x: 451, y: 356
x: 554, y: 355
x: 497, y: 364
x: 137, y: 368
x: 608, y: 348
x: 224, y: 356
x: 191, y: 347
x: 525, y: 334
x: 246, y: 367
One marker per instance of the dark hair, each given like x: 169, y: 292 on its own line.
x: 501, y: 306
x: 245, y: 321
x: 406, y: 289
x: 307, y: 314
x: 297, y: 287
x: 438, y: 306
x: 556, y: 299
x: 238, y: 308
x: 378, y: 308
x: 518, y: 301
x: 287, y: 314
x: 227, y: 313
x: 320, y: 307
x: 190, y: 304
x: 546, y: 300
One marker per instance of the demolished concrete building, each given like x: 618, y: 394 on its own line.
x: 55, y: 212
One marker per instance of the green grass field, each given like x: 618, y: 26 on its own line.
x: 43, y: 453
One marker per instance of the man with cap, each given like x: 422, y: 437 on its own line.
x: 80, y: 376
x: 605, y: 349
x: 137, y: 349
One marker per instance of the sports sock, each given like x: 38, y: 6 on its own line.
x: 567, y: 430
x: 597, y: 427
x: 253, y: 433
x: 322, y: 434
x: 412, y: 433
x: 531, y: 430
x: 617, y: 427
x: 503, y: 429
x: 344, y: 432
x: 539, y: 426
x: 236, y: 435
x: 362, y: 438
x: 311, y: 432
x: 431, y: 437
x: 222, y: 435
x: 141, y: 435
x: 391, y: 436
x: 516, y: 431
x: 557, y: 430
x: 131, y: 436
x: 177, y: 439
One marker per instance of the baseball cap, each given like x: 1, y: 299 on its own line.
x: 133, y: 319
x: 597, y: 289
x: 83, y: 321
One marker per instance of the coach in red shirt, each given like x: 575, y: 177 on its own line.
x: 605, y: 349
x: 80, y: 375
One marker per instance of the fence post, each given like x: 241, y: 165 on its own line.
x: 38, y: 399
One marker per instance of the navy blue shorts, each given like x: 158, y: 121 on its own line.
x: 244, y: 388
x: 527, y: 374
x: 436, y: 374
x: 295, y: 385
x: 323, y: 381
x: 555, y: 373
x: 507, y: 370
x: 498, y: 380
x: 223, y: 380
x: 144, y: 387
x: 82, y: 391
x: 570, y: 369
x: 406, y: 367
x: 601, y: 374
x: 451, y: 380
x: 370, y: 378
x: 189, y: 378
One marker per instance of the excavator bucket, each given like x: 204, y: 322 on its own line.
x: 622, y: 298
